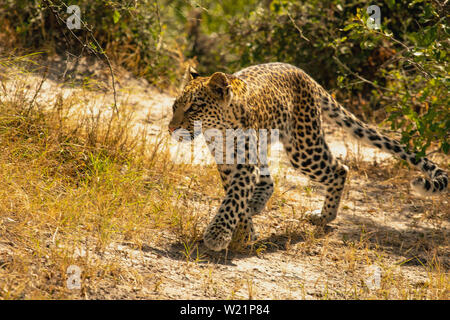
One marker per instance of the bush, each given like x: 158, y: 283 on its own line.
x: 412, y: 85
x: 400, y: 69
x: 129, y: 32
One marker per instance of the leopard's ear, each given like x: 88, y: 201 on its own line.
x: 220, y: 85
x: 189, y: 75
x: 192, y: 73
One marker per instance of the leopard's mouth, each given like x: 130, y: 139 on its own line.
x: 183, y: 135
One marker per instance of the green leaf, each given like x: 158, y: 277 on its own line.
x: 116, y: 16
x: 350, y: 26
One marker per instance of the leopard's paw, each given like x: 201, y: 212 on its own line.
x: 316, y: 218
x: 217, y: 237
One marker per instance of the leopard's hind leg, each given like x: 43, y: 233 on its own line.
x: 310, y: 154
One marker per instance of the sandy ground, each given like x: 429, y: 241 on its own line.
x: 288, y: 268
x: 380, y: 225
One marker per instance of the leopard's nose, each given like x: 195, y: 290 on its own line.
x: 172, y: 129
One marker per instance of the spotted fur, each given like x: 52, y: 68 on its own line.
x: 279, y: 96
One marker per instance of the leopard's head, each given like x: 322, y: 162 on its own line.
x: 203, y: 99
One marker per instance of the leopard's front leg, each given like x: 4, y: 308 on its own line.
x: 234, y: 207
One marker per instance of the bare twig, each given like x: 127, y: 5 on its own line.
x: 38, y: 89
x: 297, y: 27
x: 96, y: 50
x: 371, y: 82
x: 417, y: 65
x: 360, y: 77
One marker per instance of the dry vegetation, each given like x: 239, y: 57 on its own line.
x: 83, y: 187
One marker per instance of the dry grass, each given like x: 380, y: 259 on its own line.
x: 87, y: 189
x: 71, y: 178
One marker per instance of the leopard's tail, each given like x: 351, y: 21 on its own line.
x: 437, y: 179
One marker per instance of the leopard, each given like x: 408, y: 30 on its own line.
x: 283, y: 97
